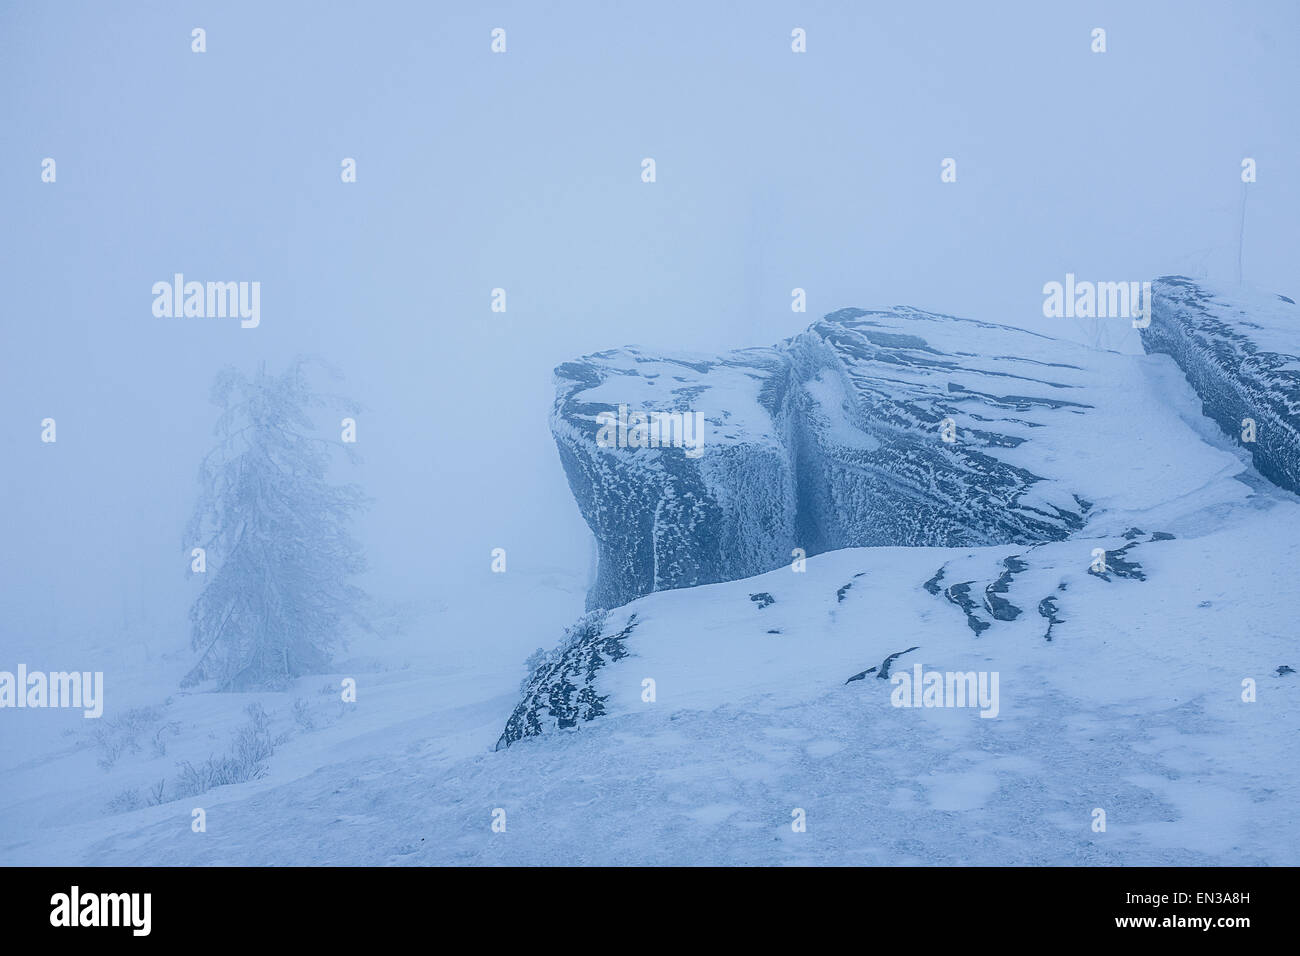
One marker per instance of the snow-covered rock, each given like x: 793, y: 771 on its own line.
x: 669, y: 517
x: 1240, y: 350
x: 857, y: 590
x: 1159, y: 690
x: 835, y: 439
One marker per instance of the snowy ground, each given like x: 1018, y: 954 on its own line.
x: 1133, y: 707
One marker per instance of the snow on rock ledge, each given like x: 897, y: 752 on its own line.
x: 833, y: 439
x: 1239, y: 349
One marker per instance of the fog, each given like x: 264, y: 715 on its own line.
x: 522, y: 171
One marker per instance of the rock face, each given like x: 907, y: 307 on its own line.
x: 1239, y: 349
x: 663, y: 519
x: 836, y: 438
x: 560, y: 689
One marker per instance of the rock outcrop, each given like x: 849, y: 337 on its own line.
x: 896, y: 427
x: 1240, y: 350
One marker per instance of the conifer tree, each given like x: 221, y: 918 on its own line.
x: 280, y: 556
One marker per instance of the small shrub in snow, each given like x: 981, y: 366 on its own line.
x: 302, y: 715
x: 589, y: 625
x: 125, y: 802
x: 160, y: 737
x: 121, y: 734
x: 251, y: 748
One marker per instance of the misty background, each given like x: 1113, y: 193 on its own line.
x: 522, y: 171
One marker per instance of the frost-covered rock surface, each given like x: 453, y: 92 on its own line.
x: 1240, y: 349
x: 560, y: 688
x: 661, y: 517
x: 834, y: 439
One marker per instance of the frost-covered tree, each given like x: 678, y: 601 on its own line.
x: 280, y: 557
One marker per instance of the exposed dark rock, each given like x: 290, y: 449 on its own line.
x: 889, y: 661
x: 999, y: 607
x: 882, y: 672
x: 561, y: 690
x: 959, y: 594
x: 933, y: 585
x: 1047, y: 608
x: 1118, y: 564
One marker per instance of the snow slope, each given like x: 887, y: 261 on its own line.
x: 1134, y: 707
